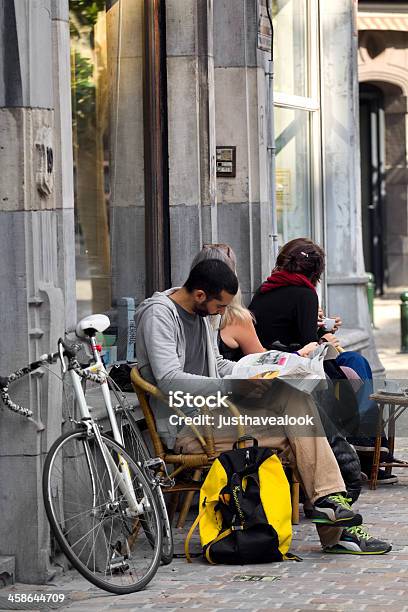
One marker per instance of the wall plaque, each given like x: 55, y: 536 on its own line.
x: 226, y: 161
x: 264, y: 26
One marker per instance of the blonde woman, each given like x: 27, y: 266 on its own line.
x: 236, y: 336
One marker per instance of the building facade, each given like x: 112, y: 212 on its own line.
x: 163, y: 142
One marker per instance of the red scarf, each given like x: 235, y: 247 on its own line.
x: 281, y: 278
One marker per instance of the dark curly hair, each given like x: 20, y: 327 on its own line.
x: 302, y: 256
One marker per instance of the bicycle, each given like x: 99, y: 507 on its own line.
x: 128, y: 434
x: 104, y: 506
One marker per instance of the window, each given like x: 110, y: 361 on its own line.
x: 91, y: 142
x: 297, y: 119
x: 107, y: 119
x: 291, y: 46
x: 293, y: 172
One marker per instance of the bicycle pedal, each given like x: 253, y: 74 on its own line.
x: 118, y: 564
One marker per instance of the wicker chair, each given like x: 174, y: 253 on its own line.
x: 196, y: 461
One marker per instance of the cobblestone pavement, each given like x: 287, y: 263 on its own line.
x: 319, y: 582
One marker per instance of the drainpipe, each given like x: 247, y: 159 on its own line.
x: 271, y: 147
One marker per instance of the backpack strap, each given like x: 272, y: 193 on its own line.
x: 244, y: 439
x: 219, y: 537
x: 190, y: 533
x: 291, y: 557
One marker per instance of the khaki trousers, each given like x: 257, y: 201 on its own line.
x: 306, y: 448
x: 318, y: 472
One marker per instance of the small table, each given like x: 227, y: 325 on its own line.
x: 396, y: 406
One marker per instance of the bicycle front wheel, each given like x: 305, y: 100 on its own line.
x: 112, y: 537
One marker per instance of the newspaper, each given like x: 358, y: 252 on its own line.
x: 304, y: 373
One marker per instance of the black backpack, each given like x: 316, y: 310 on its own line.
x: 245, y: 503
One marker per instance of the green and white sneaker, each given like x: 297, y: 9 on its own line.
x: 335, y: 510
x: 357, y: 541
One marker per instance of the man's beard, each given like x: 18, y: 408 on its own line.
x: 201, y: 309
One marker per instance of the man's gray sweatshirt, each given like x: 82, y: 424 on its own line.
x: 161, y: 352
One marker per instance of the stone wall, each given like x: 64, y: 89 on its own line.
x: 37, y: 300
x: 216, y: 95
x: 346, y: 277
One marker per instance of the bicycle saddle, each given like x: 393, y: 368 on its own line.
x: 88, y: 326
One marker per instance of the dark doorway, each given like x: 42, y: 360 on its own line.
x: 372, y: 146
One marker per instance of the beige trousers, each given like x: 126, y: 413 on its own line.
x: 318, y: 472
x: 306, y: 448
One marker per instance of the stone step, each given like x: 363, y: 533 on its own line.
x: 7, y: 570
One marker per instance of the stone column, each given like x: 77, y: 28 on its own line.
x: 346, y: 275
x: 124, y: 21
x: 37, y: 252
x: 191, y: 131
x: 216, y: 95
x: 244, y: 219
x: 63, y: 158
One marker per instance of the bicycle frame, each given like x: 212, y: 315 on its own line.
x: 123, y: 476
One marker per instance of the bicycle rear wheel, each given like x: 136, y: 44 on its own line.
x: 112, y: 544
x: 135, y: 445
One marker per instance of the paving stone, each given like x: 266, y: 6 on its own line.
x: 326, y: 582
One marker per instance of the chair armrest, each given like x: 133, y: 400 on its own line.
x: 141, y: 385
x: 235, y: 412
x: 147, y: 387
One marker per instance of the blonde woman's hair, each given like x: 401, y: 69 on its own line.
x: 235, y: 311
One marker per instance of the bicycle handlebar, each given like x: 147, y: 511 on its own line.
x: 5, y: 381
x: 70, y: 350
x: 12, y: 405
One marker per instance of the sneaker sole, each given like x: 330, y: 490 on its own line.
x: 352, y: 521
x: 355, y: 552
x: 388, y: 481
x: 369, y: 449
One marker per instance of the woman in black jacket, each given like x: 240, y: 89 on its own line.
x: 286, y: 310
x: 286, y: 304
